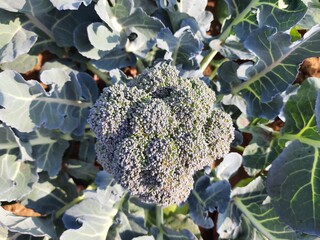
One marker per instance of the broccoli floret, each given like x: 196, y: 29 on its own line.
x: 154, y: 133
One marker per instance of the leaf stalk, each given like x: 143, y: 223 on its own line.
x: 160, y: 221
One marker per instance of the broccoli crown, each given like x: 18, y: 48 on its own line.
x: 155, y: 132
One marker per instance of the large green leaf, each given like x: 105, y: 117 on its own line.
x: 317, y: 111
x: 16, y: 178
x: 293, y: 185
x: 64, y: 107
x: 21, y: 64
x: 278, y: 60
x: 101, y: 37
x: 35, y: 226
x: 293, y: 180
x: 312, y: 17
x: 26, y: 6
x: 63, y: 23
x: 262, y: 150
x: 169, y: 234
x: 276, y: 68
x: 18, y: 172
x: 122, y: 16
x: 47, y: 148
x: 182, y: 47
x: 81, y: 169
x: 82, y: 42
x: 250, y: 215
x: 128, y: 223
x: 15, y: 39
x: 110, y: 12
x: 300, y: 113
x: 229, y: 166
x: 50, y: 194
x: 84, y: 221
x: 11, y: 144
x: 208, y: 197
x: 244, y: 17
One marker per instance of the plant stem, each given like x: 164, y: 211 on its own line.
x: 140, y: 65
x: 239, y: 148
x: 225, y: 34
x: 207, y: 59
x: 159, y: 216
x: 216, y: 65
x: 103, y: 76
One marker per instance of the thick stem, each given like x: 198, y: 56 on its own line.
x: 216, y: 67
x: 104, y: 77
x: 159, y: 216
x: 207, y: 59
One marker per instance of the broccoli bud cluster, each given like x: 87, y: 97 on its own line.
x: 154, y: 133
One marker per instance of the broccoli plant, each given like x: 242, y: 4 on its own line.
x: 156, y: 132
x: 159, y: 119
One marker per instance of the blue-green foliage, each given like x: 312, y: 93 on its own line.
x: 207, y: 197
x: 47, y: 148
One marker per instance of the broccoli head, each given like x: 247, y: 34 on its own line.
x: 154, y: 133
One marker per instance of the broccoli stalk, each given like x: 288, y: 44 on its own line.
x: 156, y: 132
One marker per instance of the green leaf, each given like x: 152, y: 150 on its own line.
x: 229, y: 166
x: 80, y: 169
x: 111, y: 14
x: 262, y: 150
x: 50, y: 194
x: 278, y: 61
x: 144, y: 238
x: 116, y: 58
x: 26, y: 6
x: 244, y: 17
x: 179, y: 222
x: 101, y: 37
x: 293, y: 185
x: 251, y: 208
x: 65, y: 95
x: 196, y: 9
x: 293, y: 180
x: 83, y: 44
x: 207, y: 197
x: 69, y: 4
x: 317, y: 111
x: 122, y: 16
x: 63, y: 23
x: 23, y: 63
x: 18, y: 173
x: 11, y: 144
x: 49, y: 155
x: 300, y: 115
x: 83, y: 220
x: 182, y: 47
x: 15, y: 40
x: 35, y: 226
x: 312, y: 16
x: 127, y: 226
x: 16, y: 178
x: 276, y: 68
x: 169, y: 234
x: 48, y: 148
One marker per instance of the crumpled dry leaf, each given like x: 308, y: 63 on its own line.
x: 20, y: 210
